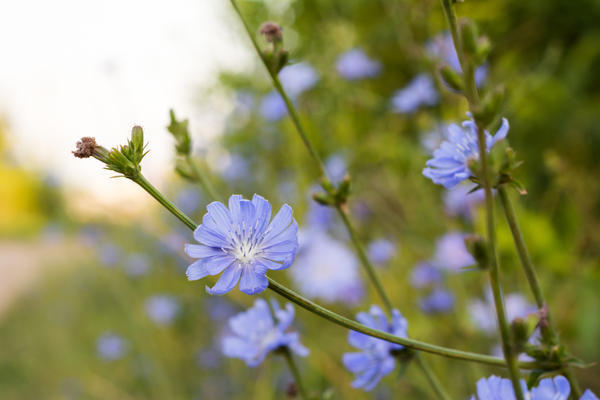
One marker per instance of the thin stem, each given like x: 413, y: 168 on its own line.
x: 494, y: 270
x: 433, y: 381
x: 341, y: 320
x: 288, y: 103
x: 287, y: 354
x: 532, y: 278
x: 201, y: 178
x: 147, y: 186
x: 360, y: 250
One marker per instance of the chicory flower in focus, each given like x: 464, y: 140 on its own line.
x: 375, y: 359
x: 355, y: 64
x: 449, y: 165
x: 256, y: 333
x: 241, y: 243
x: 162, y: 309
x: 420, y: 91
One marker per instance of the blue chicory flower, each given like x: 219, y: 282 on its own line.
x: 483, y: 312
x: 298, y: 78
x: 241, y: 243
x: 375, y: 360
x: 336, y: 167
x: 355, y: 64
x: 110, y: 347
x: 381, y: 251
x: 136, y: 265
x: 433, y: 139
x: 449, y: 165
x: 272, y: 106
x: 425, y: 274
x: 557, y: 388
x: 451, y: 252
x: 256, y: 333
x: 327, y: 269
x: 162, y: 309
x: 437, y: 302
x: 496, y: 388
x: 110, y: 255
x: 420, y: 91
x: 188, y: 200
x: 588, y: 395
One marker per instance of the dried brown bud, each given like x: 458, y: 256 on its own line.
x: 85, y: 147
x: 291, y: 391
x: 272, y: 31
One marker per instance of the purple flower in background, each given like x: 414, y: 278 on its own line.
x: 137, y: 265
x: 218, y: 308
x: 272, y: 107
x: 433, y: 139
x: 110, y: 254
x: 244, y: 101
x: 188, y: 200
x: 237, y: 168
x: 451, y: 252
x: 496, y: 388
x: 375, y: 359
x: 483, y: 312
x: 420, y: 91
x: 556, y: 388
x: 438, y: 301
x: 449, y: 165
x: 327, y: 269
x: 381, y: 251
x: 110, y: 347
x: 241, y: 243
x: 441, y: 48
x: 162, y: 309
x: 425, y: 274
x: 355, y: 64
x: 298, y: 78
x: 459, y: 202
x: 336, y: 168
x: 256, y: 333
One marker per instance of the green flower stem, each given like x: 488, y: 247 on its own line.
x: 532, y: 278
x: 433, y: 381
x: 202, y: 178
x: 494, y: 269
x: 343, y: 321
x: 364, y: 259
x: 288, y: 103
x: 287, y: 354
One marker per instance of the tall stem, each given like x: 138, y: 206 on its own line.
x: 288, y: 103
x: 360, y: 250
x: 494, y: 271
x: 532, y: 278
x: 433, y: 381
x: 341, y: 320
x: 287, y: 354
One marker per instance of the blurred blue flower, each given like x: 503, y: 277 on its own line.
x: 484, y: 316
x: 188, y: 200
x: 237, y: 168
x: 110, y: 254
x: 425, y: 274
x: 241, y: 243
x: 438, y: 301
x: 208, y: 358
x: 420, y: 91
x: 244, y: 101
x: 449, y: 164
x: 441, y: 48
x: 381, y: 251
x: 336, y: 167
x: 219, y: 308
x: 137, y: 265
x: 111, y: 347
x: 272, y: 106
x: 355, y: 64
x: 375, y: 360
x: 298, y: 78
x: 556, y: 388
x: 451, y: 252
x: 256, y: 333
x: 162, y: 309
x: 496, y: 388
x: 327, y: 269
x: 459, y: 202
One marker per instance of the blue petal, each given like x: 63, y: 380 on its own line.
x: 280, y: 222
x: 208, y: 266
x: 253, y: 281
x: 588, y: 395
x: 201, y: 251
x: 236, y: 348
x: 220, y: 214
x: 209, y: 237
x: 227, y: 281
x: 263, y: 212
x: 355, y: 362
x: 234, y: 208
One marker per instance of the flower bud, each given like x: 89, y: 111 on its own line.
x: 323, y: 199
x: 490, y: 107
x: 85, y: 147
x: 181, y: 133
x: 469, y: 36
x: 476, y: 246
x: 272, y: 31
x: 520, y: 333
x: 451, y: 78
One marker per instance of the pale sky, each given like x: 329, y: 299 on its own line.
x: 72, y: 68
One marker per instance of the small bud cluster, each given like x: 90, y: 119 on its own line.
x: 276, y: 57
x: 85, y: 147
x: 334, y: 196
